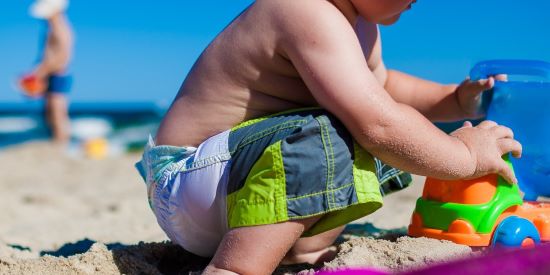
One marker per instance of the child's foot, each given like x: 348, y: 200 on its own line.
x: 44, y: 9
x: 314, y: 258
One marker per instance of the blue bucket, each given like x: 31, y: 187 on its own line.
x: 523, y: 106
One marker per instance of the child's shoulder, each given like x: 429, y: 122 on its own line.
x: 300, y: 7
x: 309, y: 14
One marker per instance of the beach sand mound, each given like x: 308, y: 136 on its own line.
x: 98, y: 260
x: 143, y: 258
x: 405, y: 253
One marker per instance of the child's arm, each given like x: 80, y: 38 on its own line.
x: 323, y: 47
x: 436, y: 101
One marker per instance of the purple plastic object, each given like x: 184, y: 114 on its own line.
x: 353, y: 271
x: 507, y: 261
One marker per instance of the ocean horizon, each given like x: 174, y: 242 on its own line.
x: 124, y: 124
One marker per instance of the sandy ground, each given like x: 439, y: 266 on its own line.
x: 66, y: 215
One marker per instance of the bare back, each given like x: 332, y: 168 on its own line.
x: 243, y: 74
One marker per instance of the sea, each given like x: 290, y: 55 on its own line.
x: 125, y: 125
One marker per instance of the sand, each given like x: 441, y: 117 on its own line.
x: 402, y: 254
x: 68, y: 215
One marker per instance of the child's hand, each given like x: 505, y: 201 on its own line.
x: 487, y: 142
x: 468, y: 94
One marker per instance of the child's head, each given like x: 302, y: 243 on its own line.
x: 385, y: 12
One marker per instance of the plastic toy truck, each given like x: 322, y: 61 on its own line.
x: 481, y: 212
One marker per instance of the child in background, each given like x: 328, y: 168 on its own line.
x: 49, y: 77
x: 288, y: 127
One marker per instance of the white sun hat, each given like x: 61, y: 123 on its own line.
x: 44, y: 9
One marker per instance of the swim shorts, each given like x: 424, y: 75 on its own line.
x: 59, y: 83
x: 282, y: 167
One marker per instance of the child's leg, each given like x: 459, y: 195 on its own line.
x: 257, y: 249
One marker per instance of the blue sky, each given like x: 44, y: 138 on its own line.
x: 141, y: 50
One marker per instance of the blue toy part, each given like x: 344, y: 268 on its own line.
x: 524, y: 107
x: 511, y: 232
x: 485, y: 69
x: 488, y: 68
x: 529, y: 194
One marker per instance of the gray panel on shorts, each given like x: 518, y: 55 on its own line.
x: 318, y: 164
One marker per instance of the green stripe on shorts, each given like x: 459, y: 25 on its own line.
x: 262, y: 199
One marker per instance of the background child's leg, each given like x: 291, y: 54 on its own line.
x: 257, y: 249
x: 57, y: 116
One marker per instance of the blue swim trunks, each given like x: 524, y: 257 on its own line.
x: 282, y: 167
x: 58, y: 83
